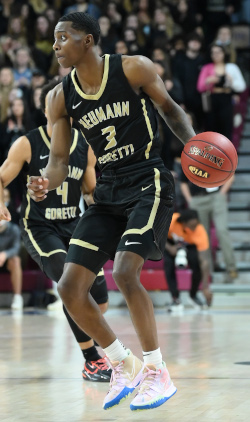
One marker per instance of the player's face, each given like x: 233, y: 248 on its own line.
x: 69, y: 45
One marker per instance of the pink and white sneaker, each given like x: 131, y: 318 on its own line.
x: 156, y: 387
x: 126, y: 375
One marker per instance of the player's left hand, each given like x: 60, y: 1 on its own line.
x: 38, y: 188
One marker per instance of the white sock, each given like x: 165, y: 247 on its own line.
x: 116, y: 351
x: 154, y: 357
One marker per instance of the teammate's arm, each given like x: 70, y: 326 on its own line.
x: 19, y: 153
x: 141, y: 75
x: 56, y: 170
x: 89, y: 178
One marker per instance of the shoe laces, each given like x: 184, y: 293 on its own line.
x: 101, y: 364
x: 148, y: 382
x: 117, y: 379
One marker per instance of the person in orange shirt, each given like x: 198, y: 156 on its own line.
x: 187, y: 245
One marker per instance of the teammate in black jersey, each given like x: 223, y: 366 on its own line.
x: 114, y: 99
x: 48, y: 226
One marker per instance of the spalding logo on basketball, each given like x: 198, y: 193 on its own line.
x: 209, y: 159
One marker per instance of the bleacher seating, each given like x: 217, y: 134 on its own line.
x: 32, y: 280
x: 152, y: 276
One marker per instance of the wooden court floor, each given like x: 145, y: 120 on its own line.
x: 208, y: 355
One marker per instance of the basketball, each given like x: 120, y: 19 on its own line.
x: 209, y: 159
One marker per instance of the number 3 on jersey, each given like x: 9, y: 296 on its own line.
x: 110, y: 138
x: 63, y: 190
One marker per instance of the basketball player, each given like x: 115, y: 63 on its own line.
x: 47, y: 227
x: 113, y: 99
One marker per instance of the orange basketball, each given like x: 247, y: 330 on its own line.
x: 209, y: 159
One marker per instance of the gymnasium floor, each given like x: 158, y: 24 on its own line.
x: 207, y: 353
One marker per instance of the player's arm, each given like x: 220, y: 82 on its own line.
x: 141, y: 74
x: 19, y: 153
x: 56, y: 170
x: 89, y: 178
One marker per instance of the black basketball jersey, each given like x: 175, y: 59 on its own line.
x: 120, y: 125
x: 61, y: 204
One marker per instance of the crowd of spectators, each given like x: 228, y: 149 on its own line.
x: 189, y: 42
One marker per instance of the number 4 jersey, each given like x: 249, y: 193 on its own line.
x: 120, y: 125
x: 61, y: 204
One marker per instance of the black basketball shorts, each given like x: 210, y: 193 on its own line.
x: 132, y: 212
x: 48, y: 243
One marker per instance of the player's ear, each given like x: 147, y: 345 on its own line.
x: 89, y: 40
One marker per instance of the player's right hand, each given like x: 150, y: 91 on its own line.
x: 37, y: 188
x: 4, y: 213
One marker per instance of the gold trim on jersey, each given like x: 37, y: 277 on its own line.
x: 84, y: 137
x: 27, y: 211
x: 74, y: 143
x: 149, y: 128
x: 152, y: 216
x: 101, y: 272
x: 83, y: 244
x: 44, y: 137
x: 47, y: 141
x: 103, y: 84
x: 34, y: 243
x: 148, y: 149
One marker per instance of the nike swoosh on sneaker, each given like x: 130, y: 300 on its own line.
x: 146, y: 187
x: 132, y: 243
x: 43, y: 156
x: 75, y: 106
x: 131, y: 375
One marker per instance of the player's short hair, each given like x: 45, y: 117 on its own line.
x: 83, y: 22
x: 45, y: 89
x: 187, y: 215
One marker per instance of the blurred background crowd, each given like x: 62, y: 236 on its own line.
x: 201, y: 50
x: 180, y: 36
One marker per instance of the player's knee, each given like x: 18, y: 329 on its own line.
x: 125, y: 279
x: 103, y: 307
x: 70, y: 291
x: 64, y: 289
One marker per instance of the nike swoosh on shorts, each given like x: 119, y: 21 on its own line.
x: 146, y: 187
x: 132, y: 243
